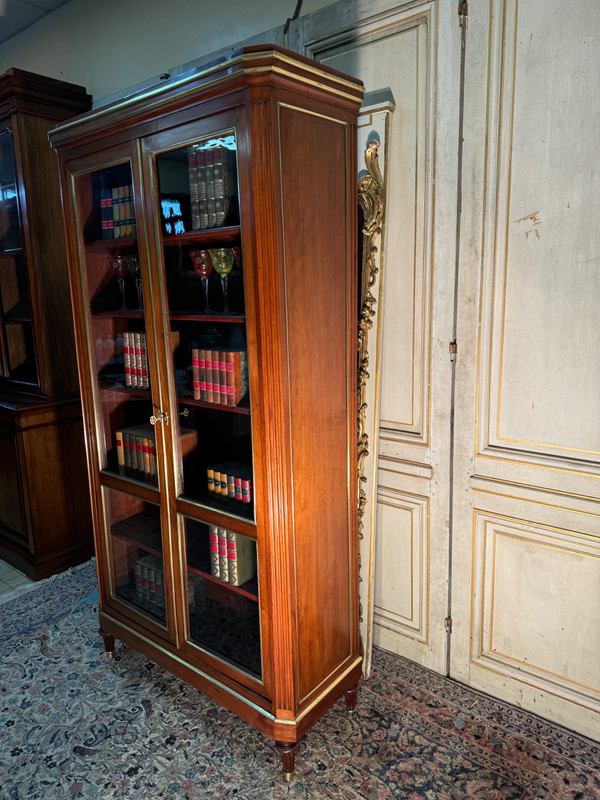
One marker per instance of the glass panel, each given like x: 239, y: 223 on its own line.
x: 10, y: 232
x: 113, y: 279
x: 222, y: 593
x: 17, y: 352
x: 198, y: 185
x: 136, y: 548
x: 205, y: 286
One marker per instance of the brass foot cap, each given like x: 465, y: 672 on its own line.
x: 350, y: 712
x: 288, y: 775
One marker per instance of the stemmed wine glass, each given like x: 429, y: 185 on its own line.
x: 202, y: 263
x: 222, y: 258
x: 120, y: 268
x: 135, y: 269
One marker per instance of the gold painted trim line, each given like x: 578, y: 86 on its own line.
x: 323, y: 694
x: 229, y: 68
x: 315, y: 67
x: 355, y: 97
x: 145, y: 94
x: 193, y: 668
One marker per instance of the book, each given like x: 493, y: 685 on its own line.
x: 200, y: 179
x: 223, y: 377
x: 230, y: 480
x: 241, y: 558
x: 151, y: 581
x: 123, y: 215
x: 139, y: 448
x: 115, y: 212
x: 246, y: 477
x: 196, y: 373
x: 120, y: 453
x: 131, y: 224
x: 146, y: 453
x: 143, y: 362
x: 224, y: 183
x: 223, y: 559
x: 133, y: 470
x: 106, y: 214
x: 217, y: 479
x: 139, y: 455
x: 231, y: 485
x: 202, y: 373
x: 209, y: 375
x: 211, y: 217
x: 216, y: 379
x: 193, y: 181
x: 236, y: 376
x: 213, y: 541
x: 127, y: 357
x: 126, y: 452
x: 151, y: 476
x: 137, y: 572
x: 136, y: 378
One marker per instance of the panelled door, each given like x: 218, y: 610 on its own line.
x: 488, y: 512
x: 526, y: 533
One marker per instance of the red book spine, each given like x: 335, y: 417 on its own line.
x: 216, y: 382
x: 246, y: 490
x: 196, y: 373
x: 237, y: 486
x: 202, y: 373
x: 143, y: 376
x: 127, y: 357
x: 213, y: 542
x: 231, y: 486
x: 209, y: 376
x: 223, y: 377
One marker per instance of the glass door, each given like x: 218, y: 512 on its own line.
x: 113, y: 297
x: 202, y: 255
x: 17, y: 350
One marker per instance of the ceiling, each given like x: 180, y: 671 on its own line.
x: 17, y: 15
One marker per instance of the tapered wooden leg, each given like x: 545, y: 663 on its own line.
x: 350, y: 697
x: 288, y: 757
x: 109, y: 642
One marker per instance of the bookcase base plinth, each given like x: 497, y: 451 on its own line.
x: 240, y: 700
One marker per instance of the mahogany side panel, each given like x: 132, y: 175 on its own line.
x: 313, y: 177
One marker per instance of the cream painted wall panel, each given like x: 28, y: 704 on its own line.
x: 526, y: 511
x: 396, y: 55
x: 410, y: 50
x: 544, y: 243
x: 529, y: 608
x: 401, y: 578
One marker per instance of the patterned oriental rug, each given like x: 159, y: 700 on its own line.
x: 74, y: 724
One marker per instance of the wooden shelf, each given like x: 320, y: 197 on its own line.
x: 190, y: 401
x: 215, y: 317
x: 206, y: 237
x: 102, y: 245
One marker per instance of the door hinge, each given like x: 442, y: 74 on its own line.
x: 453, y: 350
x: 463, y: 14
x: 448, y: 624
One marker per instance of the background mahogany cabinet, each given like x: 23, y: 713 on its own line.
x: 45, y: 520
x: 212, y: 228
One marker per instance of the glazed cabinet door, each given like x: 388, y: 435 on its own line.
x: 120, y: 388
x: 191, y: 177
x: 18, y: 366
